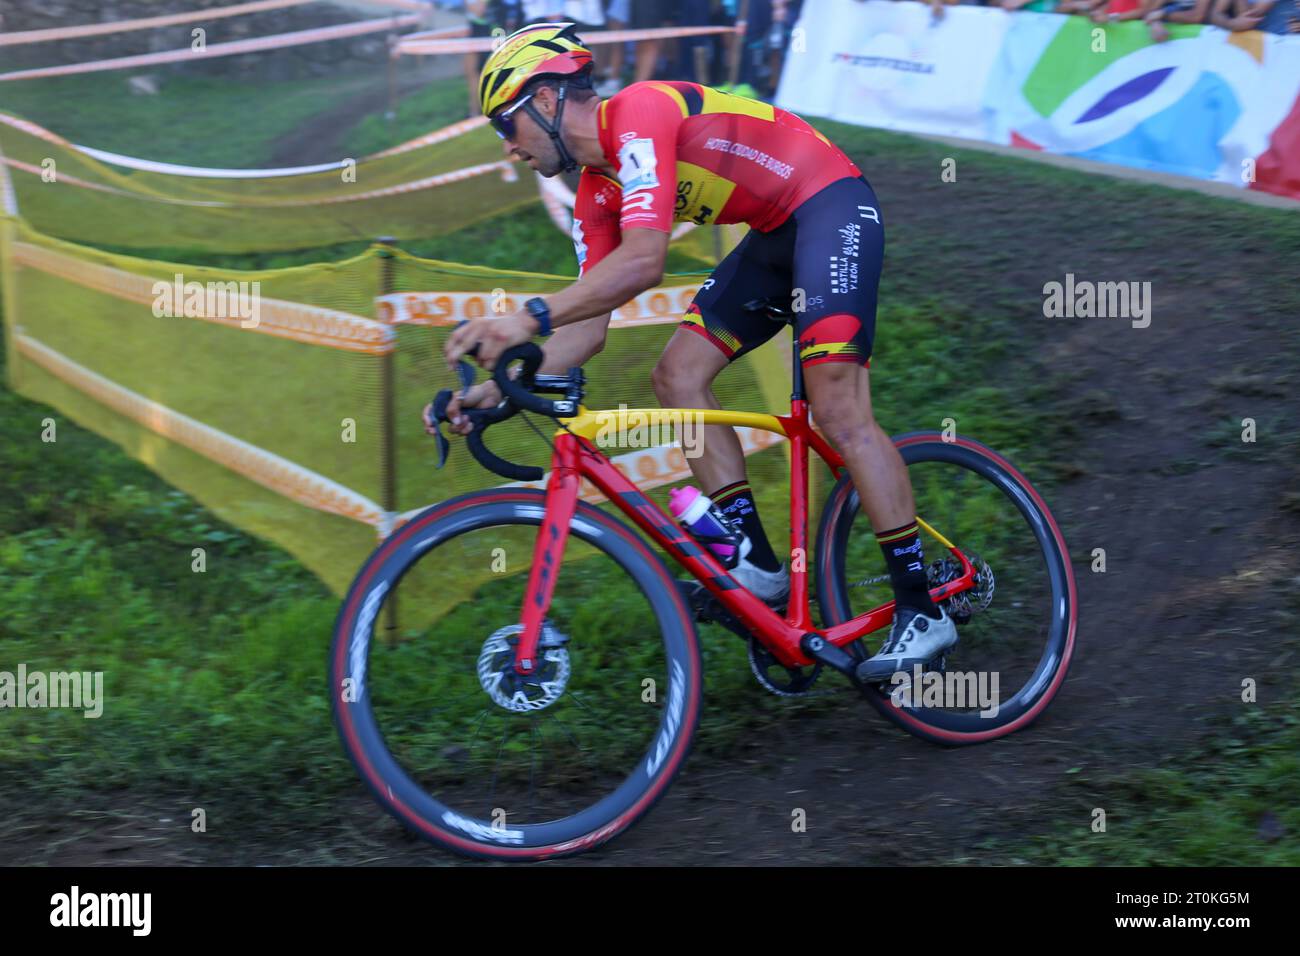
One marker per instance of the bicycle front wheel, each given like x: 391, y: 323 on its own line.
x: 1016, y: 627
x: 461, y: 749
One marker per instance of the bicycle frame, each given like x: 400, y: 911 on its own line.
x: 576, y: 457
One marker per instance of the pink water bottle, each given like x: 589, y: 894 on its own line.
x: 698, y: 515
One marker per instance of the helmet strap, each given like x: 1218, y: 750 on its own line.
x: 553, y: 130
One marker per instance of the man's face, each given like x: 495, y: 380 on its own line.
x: 531, y: 144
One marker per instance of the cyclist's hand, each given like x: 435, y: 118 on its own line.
x: 493, y: 336
x: 482, y: 395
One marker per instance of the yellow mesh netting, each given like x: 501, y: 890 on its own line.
x: 283, y: 428
x: 455, y: 178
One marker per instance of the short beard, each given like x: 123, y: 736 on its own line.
x: 549, y: 163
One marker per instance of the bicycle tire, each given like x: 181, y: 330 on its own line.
x: 832, y: 590
x: 424, y: 813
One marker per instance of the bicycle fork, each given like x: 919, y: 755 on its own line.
x: 548, y: 551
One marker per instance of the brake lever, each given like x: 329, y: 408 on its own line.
x: 463, y: 368
x: 440, y: 403
x: 465, y: 372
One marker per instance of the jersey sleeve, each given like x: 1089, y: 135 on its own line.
x: 643, y: 129
x: 595, y: 219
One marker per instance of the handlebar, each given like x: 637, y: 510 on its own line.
x: 520, y: 394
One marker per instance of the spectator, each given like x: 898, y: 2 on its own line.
x: 695, y: 54
x: 1035, y: 6
x: 1239, y: 15
x: 1102, y: 11
x: 1283, y: 18
x: 616, y: 18
x: 767, y: 34
x: 484, y: 17
x: 1156, y: 13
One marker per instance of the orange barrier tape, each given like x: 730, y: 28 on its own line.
x: 460, y: 31
x: 415, y: 47
x: 309, y: 324
x: 506, y: 168
x: 269, y: 470
x: 144, y: 23
x: 31, y: 129
x: 274, y: 42
x: 428, y: 139
x: 70, y: 180
x: 661, y: 306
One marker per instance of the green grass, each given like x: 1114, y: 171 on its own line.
x: 431, y: 107
x: 193, y: 120
x: 215, y: 676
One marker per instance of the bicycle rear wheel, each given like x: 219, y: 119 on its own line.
x: 443, y: 732
x: 1016, y: 629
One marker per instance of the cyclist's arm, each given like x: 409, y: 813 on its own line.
x: 646, y: 128
x: 574, y: 344
x: 636, y: 265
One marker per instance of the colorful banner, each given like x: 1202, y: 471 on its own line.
x: 1206, y: 103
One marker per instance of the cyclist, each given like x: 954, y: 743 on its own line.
x: 660, y: 152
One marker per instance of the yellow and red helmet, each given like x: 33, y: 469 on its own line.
x: 542, y: 49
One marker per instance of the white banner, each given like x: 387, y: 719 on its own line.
x: 887, y: 64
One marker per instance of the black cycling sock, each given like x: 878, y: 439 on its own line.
x: 902, y: 549
x: 736, y: 501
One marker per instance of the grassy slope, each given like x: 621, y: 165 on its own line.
x: 194, y: 120
x: 214, y: 679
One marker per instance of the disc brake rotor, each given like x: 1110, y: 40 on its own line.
x: 517, y: 692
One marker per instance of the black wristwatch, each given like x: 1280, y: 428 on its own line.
x: 539, y: 311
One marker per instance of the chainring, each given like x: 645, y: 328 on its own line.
x: 794, y: 682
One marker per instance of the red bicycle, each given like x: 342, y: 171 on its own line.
x: 542, y: 713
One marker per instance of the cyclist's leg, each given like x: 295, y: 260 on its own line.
x: 838, y: 262
x: 716, y: 330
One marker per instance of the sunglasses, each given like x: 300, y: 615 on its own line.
x: 504, y: 122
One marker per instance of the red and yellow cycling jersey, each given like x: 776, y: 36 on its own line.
x: 688, y: 153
